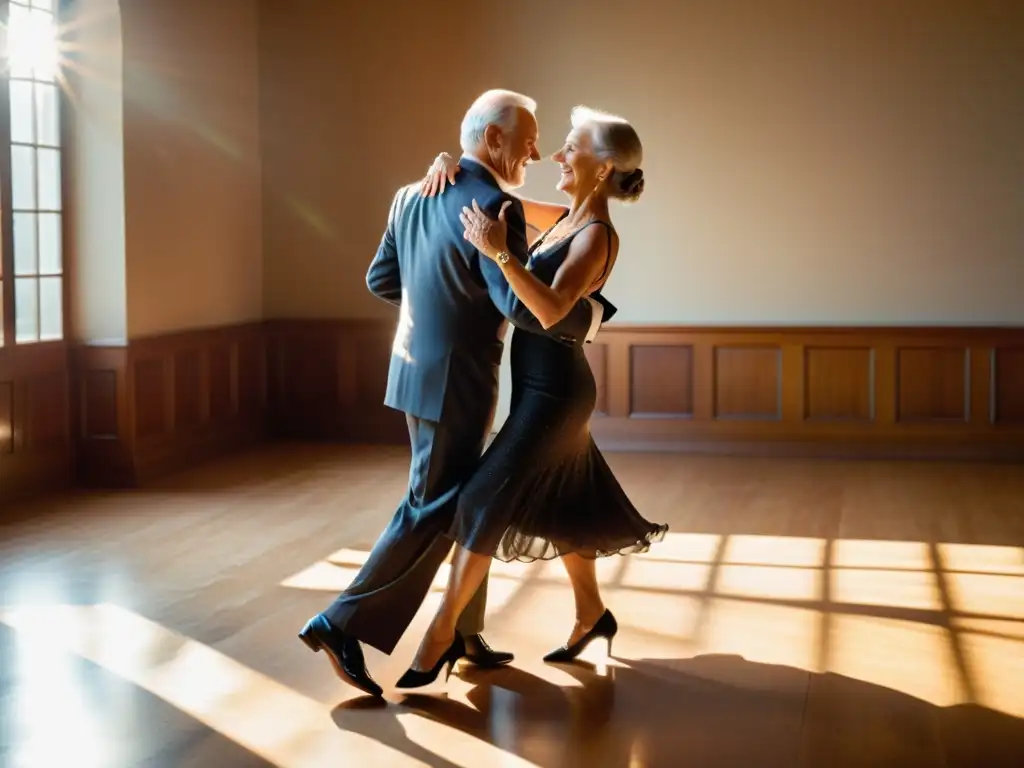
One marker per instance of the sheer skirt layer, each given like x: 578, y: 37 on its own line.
x: 543, y: 488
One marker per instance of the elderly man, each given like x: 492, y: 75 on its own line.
x: 454, y: 307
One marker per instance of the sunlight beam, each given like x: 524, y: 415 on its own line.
x: 665, y: 606
x: 269, y: 719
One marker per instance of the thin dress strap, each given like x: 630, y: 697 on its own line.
x: 608, y: 260
x: 599, y: 282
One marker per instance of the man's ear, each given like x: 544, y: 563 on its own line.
x: 493, y: 137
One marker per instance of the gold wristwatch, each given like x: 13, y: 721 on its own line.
x: 502, y: 257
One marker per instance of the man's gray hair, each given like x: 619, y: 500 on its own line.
x: 495, y: 107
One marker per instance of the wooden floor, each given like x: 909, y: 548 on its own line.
x: 800, y: 613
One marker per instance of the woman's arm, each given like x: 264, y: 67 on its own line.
x: 540, y: 217
x: 549, y: 304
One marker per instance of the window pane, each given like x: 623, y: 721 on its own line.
x: 44, y: 50
x: 26, y: 308
x: 47, y: 106
x: 46, y: 5
x: 32, y: 41
x: 49, y: 179
x: 51, y: 262
x: 19, y: 45
x: 25, y: 250
x: 51, y: 309
x: 21, y: 112
x: 23, y: 177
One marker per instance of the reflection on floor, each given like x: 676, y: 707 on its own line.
x: 799, y: 614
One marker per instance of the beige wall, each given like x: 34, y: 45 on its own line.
x: 94, y: 170
x: 853, y: 163
x: 164, y: 168
x: 352, y: 106
x: 192, y: 169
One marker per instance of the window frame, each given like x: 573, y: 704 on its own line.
x: 8, y: 323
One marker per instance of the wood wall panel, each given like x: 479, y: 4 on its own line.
x: 304, y: 379
x: 221, y: 376
x: 914, y: 392
x: 151, y: 396
x: 933, y: 384
x: 251, y: 384
x: 35, y: 444
x: 327, y: 381
x: 838, y: 383
x: 164, y: 402
x: 1008, y: 384
x: 188, y: 388
x: 661, y: 381
x: 597, y: 356
x: 99, y: 399
x: 48, y: 418
x: 748, y: 382
x: 6, y: 417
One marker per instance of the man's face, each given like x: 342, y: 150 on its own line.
x: 512, y: 150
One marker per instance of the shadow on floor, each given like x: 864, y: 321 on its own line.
x: 703, y: 711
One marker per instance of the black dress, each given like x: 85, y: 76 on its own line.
x: 543, y: 488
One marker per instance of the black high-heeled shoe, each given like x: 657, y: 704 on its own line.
x: 605, y: 627
x: 413, y: 678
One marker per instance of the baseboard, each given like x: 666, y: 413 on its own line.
x: 833, y: 449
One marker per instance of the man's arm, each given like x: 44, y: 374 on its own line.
x: 384, y: 278
x: 579, y: 324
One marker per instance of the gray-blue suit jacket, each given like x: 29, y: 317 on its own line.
x: 454, y: 302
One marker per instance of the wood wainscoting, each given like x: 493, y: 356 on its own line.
x: 326, y: 381
x: 163, y: 402
x: 883, y: 392
x: 35, y: 442
x: 896, y: 392
x: 129, y: 413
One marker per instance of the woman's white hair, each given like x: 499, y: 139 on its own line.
x: 495, y: 107
x: 613, y: 136
x: 614, y: 139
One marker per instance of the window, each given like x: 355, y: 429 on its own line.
x: 31, y: 260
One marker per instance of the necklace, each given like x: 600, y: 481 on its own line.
x: 548, y: 241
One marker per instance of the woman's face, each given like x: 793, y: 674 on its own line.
x: 582, y: 170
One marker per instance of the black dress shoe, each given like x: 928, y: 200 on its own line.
x: 480, y: 653
x: 344, y: 653
x: 414, y: 678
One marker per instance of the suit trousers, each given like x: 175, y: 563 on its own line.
x: 382, y: 600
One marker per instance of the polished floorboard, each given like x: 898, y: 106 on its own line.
x: 800, y: 613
